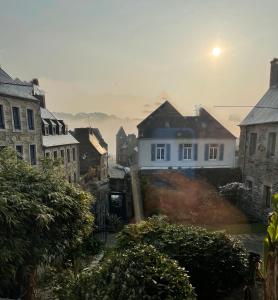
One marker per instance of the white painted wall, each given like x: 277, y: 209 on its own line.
x: 145, y: 162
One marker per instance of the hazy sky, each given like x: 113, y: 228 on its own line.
x: 121, y: 57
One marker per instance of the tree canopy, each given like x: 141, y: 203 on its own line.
x: 42, y: 216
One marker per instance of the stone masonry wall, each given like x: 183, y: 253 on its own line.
x: 25, y: 137
x: 70, y: 168
x: 258, y: 168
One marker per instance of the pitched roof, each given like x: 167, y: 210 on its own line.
x: 95, y: 142
x: 166, y: 122
x: 17, y: 88
x: 165, y: 110
x: 46, y: 114
x: 265, y: 111
x: 121, y: 131
x: 58, y: 140
x: 97, y: 133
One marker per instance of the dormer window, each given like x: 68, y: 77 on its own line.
x: 46, y: 129
x: 54, y: 130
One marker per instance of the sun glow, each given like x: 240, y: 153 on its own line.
x: 216, y: 51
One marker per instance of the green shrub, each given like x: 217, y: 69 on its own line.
x: 137, y: 273
x: 216, y: 263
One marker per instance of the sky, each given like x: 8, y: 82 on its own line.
x: 123, y: 57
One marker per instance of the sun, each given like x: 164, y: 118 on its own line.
x: 216, y: 51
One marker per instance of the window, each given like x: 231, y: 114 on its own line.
x: 33, y: 155
x: 267, y: 195
x: 271, y: 144
x: 46, y: 129
x: 19, y: 150
x: 68, y: 155
x: 213, y: 151
x: 30, y: 119
x: 249, y: 185
x: 74, y: 177
x: 187, y: 151
x: 54, y: 129
x: 73, y: 154
x: 62, y: 153
x: 2, y: 120
x: 160, y: 152
x: 47, y: 154
x: 253, y: 143
x: 16, y: 118
x: 55, y: 154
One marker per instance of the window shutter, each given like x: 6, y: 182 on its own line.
x: 180, y: 151
x: 153, y: 149
x: 206, y: 151
x: 221, y: 152
x: 168, y: 151
x: 195, y: 149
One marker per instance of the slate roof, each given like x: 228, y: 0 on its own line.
x: 167, y: 122
x: 46, y: 114
x: 116, y: 171
x: 102, y: 142
x: 95, y: 142
x: 17, y: 88
x: 265, y: 111
x: 58, y: 140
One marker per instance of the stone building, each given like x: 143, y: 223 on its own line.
x: 126, y: 148
x: 93, y: 157
x: 93, y: 153
x: 58, y: 143
x: 258, y: 151
x: 20, y: 120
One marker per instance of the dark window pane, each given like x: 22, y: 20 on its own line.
x: 73, y: 154
x: 19, y: 150
x: 33, y: 155
x: 2, y: 120
x: 252, y: 143
x: 30, y: 117
x: 16, y: 118
x: 68, y: 155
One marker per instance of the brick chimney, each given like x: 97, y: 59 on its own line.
x: 274, y: 73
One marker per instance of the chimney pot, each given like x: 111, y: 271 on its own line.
x: 274, y: 73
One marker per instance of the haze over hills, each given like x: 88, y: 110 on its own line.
x: 107, y: 124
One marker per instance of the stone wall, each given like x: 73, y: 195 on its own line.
x: 259, y: 169
x: 70, y: 168
x: 25, y: 137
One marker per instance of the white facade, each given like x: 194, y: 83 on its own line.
x: 204, y: 149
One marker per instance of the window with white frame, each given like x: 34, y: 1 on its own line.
x: 213, y: 151
x: 187, y: 151
x: 160, y: 152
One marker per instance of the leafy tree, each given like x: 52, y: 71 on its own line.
x: 137, y: 273
x: 42, y: 217
x: 216, y: 263
x: 271, y: 254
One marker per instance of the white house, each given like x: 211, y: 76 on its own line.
x: 166, y: 140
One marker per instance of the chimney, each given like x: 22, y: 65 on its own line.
x: 274, y: 73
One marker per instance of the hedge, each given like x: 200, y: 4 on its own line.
x: 216, y: 263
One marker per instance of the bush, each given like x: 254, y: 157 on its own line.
x: 137, y: 273
x: 216, y: 263
x: 234, y: 192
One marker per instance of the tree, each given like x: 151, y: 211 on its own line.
x: 271, y: 254
x: 42, y: 217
